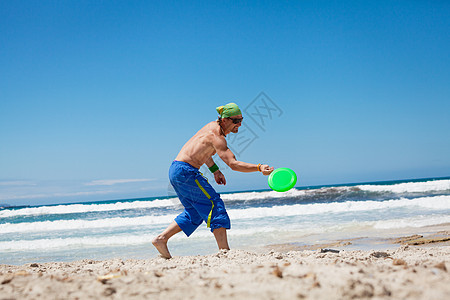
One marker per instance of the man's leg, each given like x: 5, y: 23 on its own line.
x: 160, y: 242
x: 212, y: 209
x: 221, y: 237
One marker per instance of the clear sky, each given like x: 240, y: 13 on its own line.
x: 98, y: 97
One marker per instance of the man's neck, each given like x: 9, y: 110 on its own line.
x: 221, y: 130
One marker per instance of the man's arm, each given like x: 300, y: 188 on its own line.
x: 220, y: 144
x: 218, y: 176
x: 210, y: 162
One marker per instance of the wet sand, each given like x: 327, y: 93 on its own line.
x: 440, y: 238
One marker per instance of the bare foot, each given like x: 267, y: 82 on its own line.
x: 160, y: 244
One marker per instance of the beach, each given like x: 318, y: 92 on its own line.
x: 382, y: 240
x: 404, y: 271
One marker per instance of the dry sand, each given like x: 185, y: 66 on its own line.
x: 406, y: 272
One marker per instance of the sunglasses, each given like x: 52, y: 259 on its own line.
x: 236, y: 120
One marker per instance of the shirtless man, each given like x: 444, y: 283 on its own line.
x: 200, y: 200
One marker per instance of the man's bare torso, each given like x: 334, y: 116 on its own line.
x: 200, y: 147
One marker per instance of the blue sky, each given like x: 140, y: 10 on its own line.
x: 97, y: 97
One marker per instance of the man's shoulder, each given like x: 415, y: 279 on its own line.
x: 212, y: 123
x: 212, y: 132
x: 210, y: 127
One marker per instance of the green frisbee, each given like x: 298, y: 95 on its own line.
x: 282, y: 179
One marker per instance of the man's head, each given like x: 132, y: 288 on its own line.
x: 228, y: 110
x: 230, y: 117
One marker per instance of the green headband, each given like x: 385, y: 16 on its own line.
x: 229, y: 110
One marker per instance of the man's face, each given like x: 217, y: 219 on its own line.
x: 233, y: 126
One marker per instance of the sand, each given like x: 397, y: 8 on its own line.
x: 406, y: 272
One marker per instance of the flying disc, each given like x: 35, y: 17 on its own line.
x: 282, y: 179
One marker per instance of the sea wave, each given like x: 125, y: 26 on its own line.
x: 409, y: 187
x: 334, y: 193
x: 112, y: 240
x: 247, y: 196
x: 84, y: 224
x: 84, y: 208
x: 415, y: 222
x: 329, y: 194
x: 42, y: 244
x: 269, y: 232
x: 435, y: 203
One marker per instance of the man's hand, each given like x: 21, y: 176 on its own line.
x: 266, y: 170
x: 219, y: 177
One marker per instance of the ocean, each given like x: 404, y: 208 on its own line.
x: 124, y: 228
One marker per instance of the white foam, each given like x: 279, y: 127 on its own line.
x: 118, y: 240
x: 437, y: 202
x: 415, y: 222
x: 43, y: 244
x: 82, y: 208
x: 84, y: 224
x: 262, y: 195
x: 409, y: 187
x: 269, y: 232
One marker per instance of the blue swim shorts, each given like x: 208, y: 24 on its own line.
x: 200, y: 200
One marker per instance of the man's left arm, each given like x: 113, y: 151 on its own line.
x: 228, y: 157
x: 210, y: 162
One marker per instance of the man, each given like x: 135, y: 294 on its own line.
x: 200, y: 200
